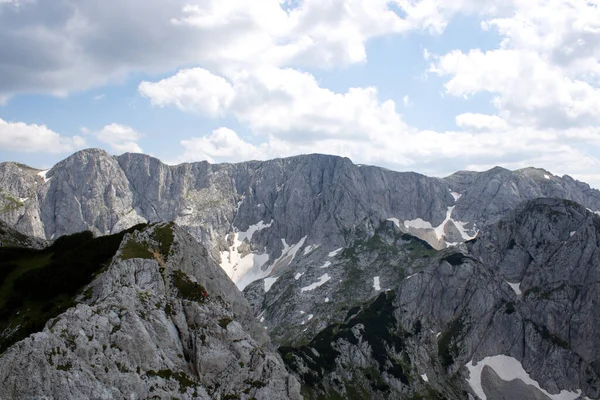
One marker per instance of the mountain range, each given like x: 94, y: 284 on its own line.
x: 307, y: 276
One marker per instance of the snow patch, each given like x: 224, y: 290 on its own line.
x: 310, y: 316
x: 572, y: 233
x: 302, y: 312
x: 289, y: 252
x: 396, y: 221
x: 335, y: 252
x: 327, y: 264
x: 410, y: 276
x: 425, y: 378
x: 298, y: 275
x: 508, y: 369
x: 42, y: 174
x: 516, y: 287
x: 322, y: 280
x: 310, y: 248
x: 376, y: 283
x: 269, y: 282
x: 23, y: 199
x: 252, y: 229
x: 245, y: 269
x: 456, y: 196
x: 326, y: 299
x: 262, y: 319
x: 439, y: 230
x: 546, y: 176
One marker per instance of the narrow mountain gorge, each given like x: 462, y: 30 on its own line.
x: 352, y: 281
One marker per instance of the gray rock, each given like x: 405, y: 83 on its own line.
x: 141, y: 336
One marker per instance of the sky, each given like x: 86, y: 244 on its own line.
x: 431, y: 86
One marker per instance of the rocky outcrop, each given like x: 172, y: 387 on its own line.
x: 163, y: 321
x: 519, y: 301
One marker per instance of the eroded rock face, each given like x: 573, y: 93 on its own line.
x: 315, y: 198
x: 169, y: 325
x: 328, y: 259
x: 426, y: 335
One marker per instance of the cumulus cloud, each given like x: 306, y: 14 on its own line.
x: 59, y: 47
x: 21, y: 137
x: 279, y: 101
x: 120, y: 138
x: 545, y: 72
x: 222, y: 145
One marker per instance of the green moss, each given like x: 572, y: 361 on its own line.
x: 64, y: 367
x: 183, y: 379
x: 11, y: 204
x: 223, y: 322
x: 164, y: 236
x: 135, y: 249
x: 447, y: 344
x: 379, y: 330
x: 187, y: 289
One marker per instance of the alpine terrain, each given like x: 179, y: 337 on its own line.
x: 305, y: 277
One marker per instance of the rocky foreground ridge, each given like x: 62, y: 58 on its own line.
x: 371, y: 283
x: 162, y: 321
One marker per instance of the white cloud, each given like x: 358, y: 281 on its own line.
x: 191, y: 90
x: 545, y: 72
x: 279, y: 101
x: 21, y: 137
x: 120, y: 138
x: 222, y: 145
x: 481, y: 122
x: 73, y: 45
x: 406, y: 101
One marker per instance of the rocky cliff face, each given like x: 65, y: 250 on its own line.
x: 163, y: 321
x: 314, y: 199
x: 375, y: 284
x: 510, y: 312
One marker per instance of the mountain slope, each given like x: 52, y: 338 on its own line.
x: 162, y: 321
x: 315, y: 197
x: 458, y: 327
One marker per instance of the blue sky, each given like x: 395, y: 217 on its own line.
x: 429, y: 86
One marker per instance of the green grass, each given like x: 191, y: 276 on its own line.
x: 164, y: 236
x: 135, y: 249
x: 187, y: 289
x: 38, y: 285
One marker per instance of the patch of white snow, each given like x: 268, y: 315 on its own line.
x: 456, y: 196
x: 425, y: 378
x: 572, y: 233
x: 376, y: 283
x: 326, y: 299
x: 244, y: 269
x: 269, y: 282
x: 335, y: 252
x: 327, y: 264
x: 310, y: 248
x: 396, y: 221
x: 322, y: 280
x: 310, y: 316
x: 298, y: 275
x: 42, y: 174
x: 252, y: 229
x: 515, y: 286
x: 508, y: 369
x: 546, y: 176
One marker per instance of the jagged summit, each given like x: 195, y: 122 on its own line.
x: 387, y: 284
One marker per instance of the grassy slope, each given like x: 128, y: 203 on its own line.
x: 37, y: 285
